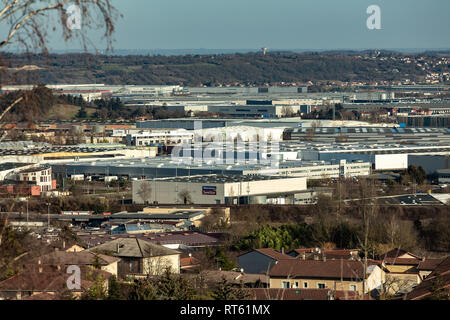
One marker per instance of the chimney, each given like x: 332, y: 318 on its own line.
x: 118, y: 248
x: 282, y: 250
x: 64, y: 244
x: 324, y: 257
x: 304, y: 255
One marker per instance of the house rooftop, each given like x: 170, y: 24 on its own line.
x: 290, y: 294
x: 76, y: 258
x: 331, y: 269
x: 273, y: 253
x: 133, y: 247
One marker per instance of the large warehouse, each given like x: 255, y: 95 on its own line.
x: 164, y: 167
x: 218, y: 189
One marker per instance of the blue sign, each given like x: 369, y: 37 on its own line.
x: 209, y: 190
x: 299, y: 125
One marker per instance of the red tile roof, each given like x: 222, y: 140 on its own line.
x: 332, y: 269
x: 290, y: 294
x: 234, y: 277
x: 41, y: 296
x: 189, y: 261
x: 39, y: 282
x: 397, y: 253
x: 31, y: 279
x: 441, y: 274
x: 350, y: 295
x: 402, y: 261
x: 76, y: 258
x: 429, y: 264
x: 274, y: 254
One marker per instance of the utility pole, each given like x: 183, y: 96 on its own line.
x: 48, y: 215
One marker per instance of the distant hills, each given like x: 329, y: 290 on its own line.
x: 251, y: 68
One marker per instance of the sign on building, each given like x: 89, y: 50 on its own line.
x: 209, y: 190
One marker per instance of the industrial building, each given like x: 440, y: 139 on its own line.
x: 443, y: 176
x: 255, y: 109
x: 218, y: 189
x: 46, y: 153
x: 159, y: 137
x: 431, y: 163
x: 165, y: 167
x: 368, y: 134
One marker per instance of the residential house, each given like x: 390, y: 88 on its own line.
x: 212, y: 278
x: 435, y: 286
x: 140, y: 257
x: 398, y: 260
x: 260, y: 261
x: 189, y: 264
x: 403, y: 272
x: 427, y: 266
x: 47, y: 283
x: 322, y: 274
x: 290, y: 294
x: 317, y: 253
x: 62, y: 259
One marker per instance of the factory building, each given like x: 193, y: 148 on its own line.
x: 159, y: 137
x: 430, y: 163
x: 382, y: 156
x: 371, y: 135
x: 31, y: 153
x: 218, y: 189
x: 255, y: 109
x: 164, y: 167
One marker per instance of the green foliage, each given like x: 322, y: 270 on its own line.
x: 436, y: 234
x: 143, y: 290
x: 13, y: 243
x: 292, y: 236
x: 212, y: 70
x: 417, y: 175
x: 114, y: 290
x: 166, y: 287
x: 97, y: 291
x: 222, y: 260
x: 82, y: 114
x: 287, y: 236
x: 225, y: 291
x: 34, y: 106
x: 173, y: 287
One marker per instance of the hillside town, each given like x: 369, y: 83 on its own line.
x: 267, y: 175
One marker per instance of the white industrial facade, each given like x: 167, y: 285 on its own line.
x: 165, y: 137
x: 216, y: 189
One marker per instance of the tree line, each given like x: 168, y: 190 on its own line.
x: 213, y: 70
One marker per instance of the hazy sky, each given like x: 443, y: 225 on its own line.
x: 278, y: 24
